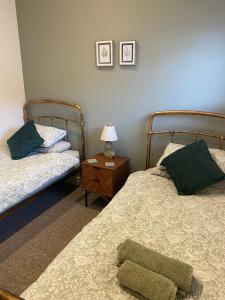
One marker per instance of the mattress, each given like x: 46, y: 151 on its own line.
x: 148, y: 210
x: 22, y: 178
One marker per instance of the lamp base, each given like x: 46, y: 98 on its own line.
x: 109, y: 152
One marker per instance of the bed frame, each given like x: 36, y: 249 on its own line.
x: 172, y: 132
x: 37, y: 118
x: 4, y: 295
x: 70, y: 105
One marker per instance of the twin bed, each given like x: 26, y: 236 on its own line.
x: 22, y: 179
x: 148, y: 210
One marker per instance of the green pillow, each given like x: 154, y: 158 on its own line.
x: 192, y: 168
x: 24, y: 141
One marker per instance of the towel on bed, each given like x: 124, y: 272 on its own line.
x: 145, y: 284
x: 180, y: 273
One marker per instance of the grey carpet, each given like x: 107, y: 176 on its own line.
x: 33, y: 236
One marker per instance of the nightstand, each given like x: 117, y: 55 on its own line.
x: 102, y: 180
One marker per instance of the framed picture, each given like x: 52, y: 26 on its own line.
x: 128, y: 53
x: 104, y: 54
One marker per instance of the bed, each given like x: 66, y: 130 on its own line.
x: 148, y: 210
x: 22, y: 179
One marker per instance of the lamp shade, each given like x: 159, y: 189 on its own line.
x: 109, y: 134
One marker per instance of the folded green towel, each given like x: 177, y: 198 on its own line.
x: 180, y: 273
x: 145, y: 284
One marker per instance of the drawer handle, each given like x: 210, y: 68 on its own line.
x: 97, y: 168
x: 96, y: 180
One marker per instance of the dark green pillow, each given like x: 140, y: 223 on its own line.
x: 24, y: 141
x: 192, y: 168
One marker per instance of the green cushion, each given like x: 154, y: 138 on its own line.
x: 192, y: 168
x: 24, y: 141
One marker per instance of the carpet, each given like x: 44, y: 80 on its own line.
x: 33, y: 236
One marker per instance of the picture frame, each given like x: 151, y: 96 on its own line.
x: 104, y: 53
x: 128, y: 53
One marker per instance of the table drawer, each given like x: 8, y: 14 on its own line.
x: 98, y: 180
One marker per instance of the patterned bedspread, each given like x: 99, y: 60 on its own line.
x: 21, y: 178
x: 148, y: 210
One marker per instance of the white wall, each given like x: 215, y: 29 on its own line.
x: 11, y: 76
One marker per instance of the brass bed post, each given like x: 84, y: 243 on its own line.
x: 5, y: 295
x: 149, y: 141
x: 25, y: 112
x: 83, y: 155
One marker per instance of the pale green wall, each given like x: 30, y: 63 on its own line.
x: 180, y: 65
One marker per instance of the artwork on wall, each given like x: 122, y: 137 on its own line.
x: 128, y: 53
x: 104, y: 53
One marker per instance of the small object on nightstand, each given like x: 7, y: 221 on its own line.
x: 92, y: 160
x: 104, y: 180
x: 109, y: 135
x: 109, y: 164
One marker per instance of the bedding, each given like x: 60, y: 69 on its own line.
x: 217, y: 154
x: 59, y: 147
x: 24, y: 141
x: 147, y: 210
x: 22, y: 178
x: 159, y: 172
x: 51, y: 135
x: 192, y: 168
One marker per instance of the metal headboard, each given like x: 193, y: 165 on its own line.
x: 75, y: 107
x: 171, y: 132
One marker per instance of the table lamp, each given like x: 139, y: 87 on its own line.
x: 109, y: 135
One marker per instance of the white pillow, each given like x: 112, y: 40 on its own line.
x: 59, y: 147
x: 170, y: 148
x: 51, y: 135
x: 217, y: 154
x: 159, y: 172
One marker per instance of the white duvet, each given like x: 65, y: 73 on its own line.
x: 22, y: 178
x: 148, y: 210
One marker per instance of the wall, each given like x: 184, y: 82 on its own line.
x: 180, y: 64
x: 11, y: 77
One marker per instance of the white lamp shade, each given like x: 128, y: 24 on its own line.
x: 109, y: 134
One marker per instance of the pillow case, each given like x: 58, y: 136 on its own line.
x: 217, y: 154
x: 159, y: 172
x: 24, y: 141
x: 170, y: 148
x: 59, y: 147
x: 192, y: 168
x: 51, y: 135
x: 219, y: 157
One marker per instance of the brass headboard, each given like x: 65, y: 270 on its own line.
x: 74, y: 107
x: 172, y: 132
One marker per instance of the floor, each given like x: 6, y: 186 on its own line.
x: 33, y: 236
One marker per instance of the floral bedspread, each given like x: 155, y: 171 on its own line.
x: 21, y: 178
x: 148, y: 210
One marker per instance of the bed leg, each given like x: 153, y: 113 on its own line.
x: 86, y: 198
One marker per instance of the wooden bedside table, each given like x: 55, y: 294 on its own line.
x: 102, y: 180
